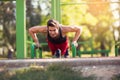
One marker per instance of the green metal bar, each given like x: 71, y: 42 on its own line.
x: 53, y: 13
x: 79, y: 53
x: 73, y: 50
x: 58, y: 11
x: 107, y: 54
x: 36, y: 52
x: 32, y: 51
x: 55, y: 8
x: 44, y: 44
x: 20, y: 29
x: 29, y: 42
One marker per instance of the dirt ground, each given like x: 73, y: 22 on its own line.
x: 102, y: 72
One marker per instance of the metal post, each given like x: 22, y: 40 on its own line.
x: 33, y: 51
x: 20, y: 29
x: 73, y: 50
x: 55, y: 8
x: 58, y: 11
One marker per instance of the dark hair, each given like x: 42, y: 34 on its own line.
x: 52, y: 23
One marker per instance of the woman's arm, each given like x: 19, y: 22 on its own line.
x: 36, y: 29
x: 76, y: 29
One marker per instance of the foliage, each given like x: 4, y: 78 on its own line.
x: 95, y: 16
x: 7, y: 25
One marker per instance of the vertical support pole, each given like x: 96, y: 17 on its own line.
x: 58, y: 11
x: 55, y: 8
x: 33, y: 51
x: 73, y: 50
x: 20, y: 29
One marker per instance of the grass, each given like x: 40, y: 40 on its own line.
x: 116, y: 77
x: 52, y: 72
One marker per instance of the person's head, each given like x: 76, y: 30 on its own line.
x: 53, y: 28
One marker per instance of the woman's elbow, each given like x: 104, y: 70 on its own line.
x: 79, y: 29
x: 30, y: 30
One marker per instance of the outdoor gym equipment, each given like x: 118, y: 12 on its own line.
x: 91, y: 49
x: 37, y: 52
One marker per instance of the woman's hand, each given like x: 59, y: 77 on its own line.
x: 37, y: 45
x: 75, y: 43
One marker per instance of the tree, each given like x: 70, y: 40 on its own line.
x: 94, y: 16
x: 7, y: 20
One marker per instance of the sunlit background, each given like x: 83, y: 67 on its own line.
x: 100, y: 20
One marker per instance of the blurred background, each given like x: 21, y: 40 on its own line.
x: 100, y: 20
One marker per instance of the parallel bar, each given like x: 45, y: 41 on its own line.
x: 36, y: 52
x: 20, y: 29
x: 73, y: 50
x: 32, y: 51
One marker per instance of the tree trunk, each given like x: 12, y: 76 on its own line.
x: 102, y: 47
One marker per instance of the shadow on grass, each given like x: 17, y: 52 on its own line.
x: 52, y: 72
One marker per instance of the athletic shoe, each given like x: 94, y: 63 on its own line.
x: 57, y: 53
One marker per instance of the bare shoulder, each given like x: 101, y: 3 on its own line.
x: 73, y: 28
x: 42, y: 28
x: 38, y: 29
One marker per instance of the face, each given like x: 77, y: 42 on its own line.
x: 53, y: 31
